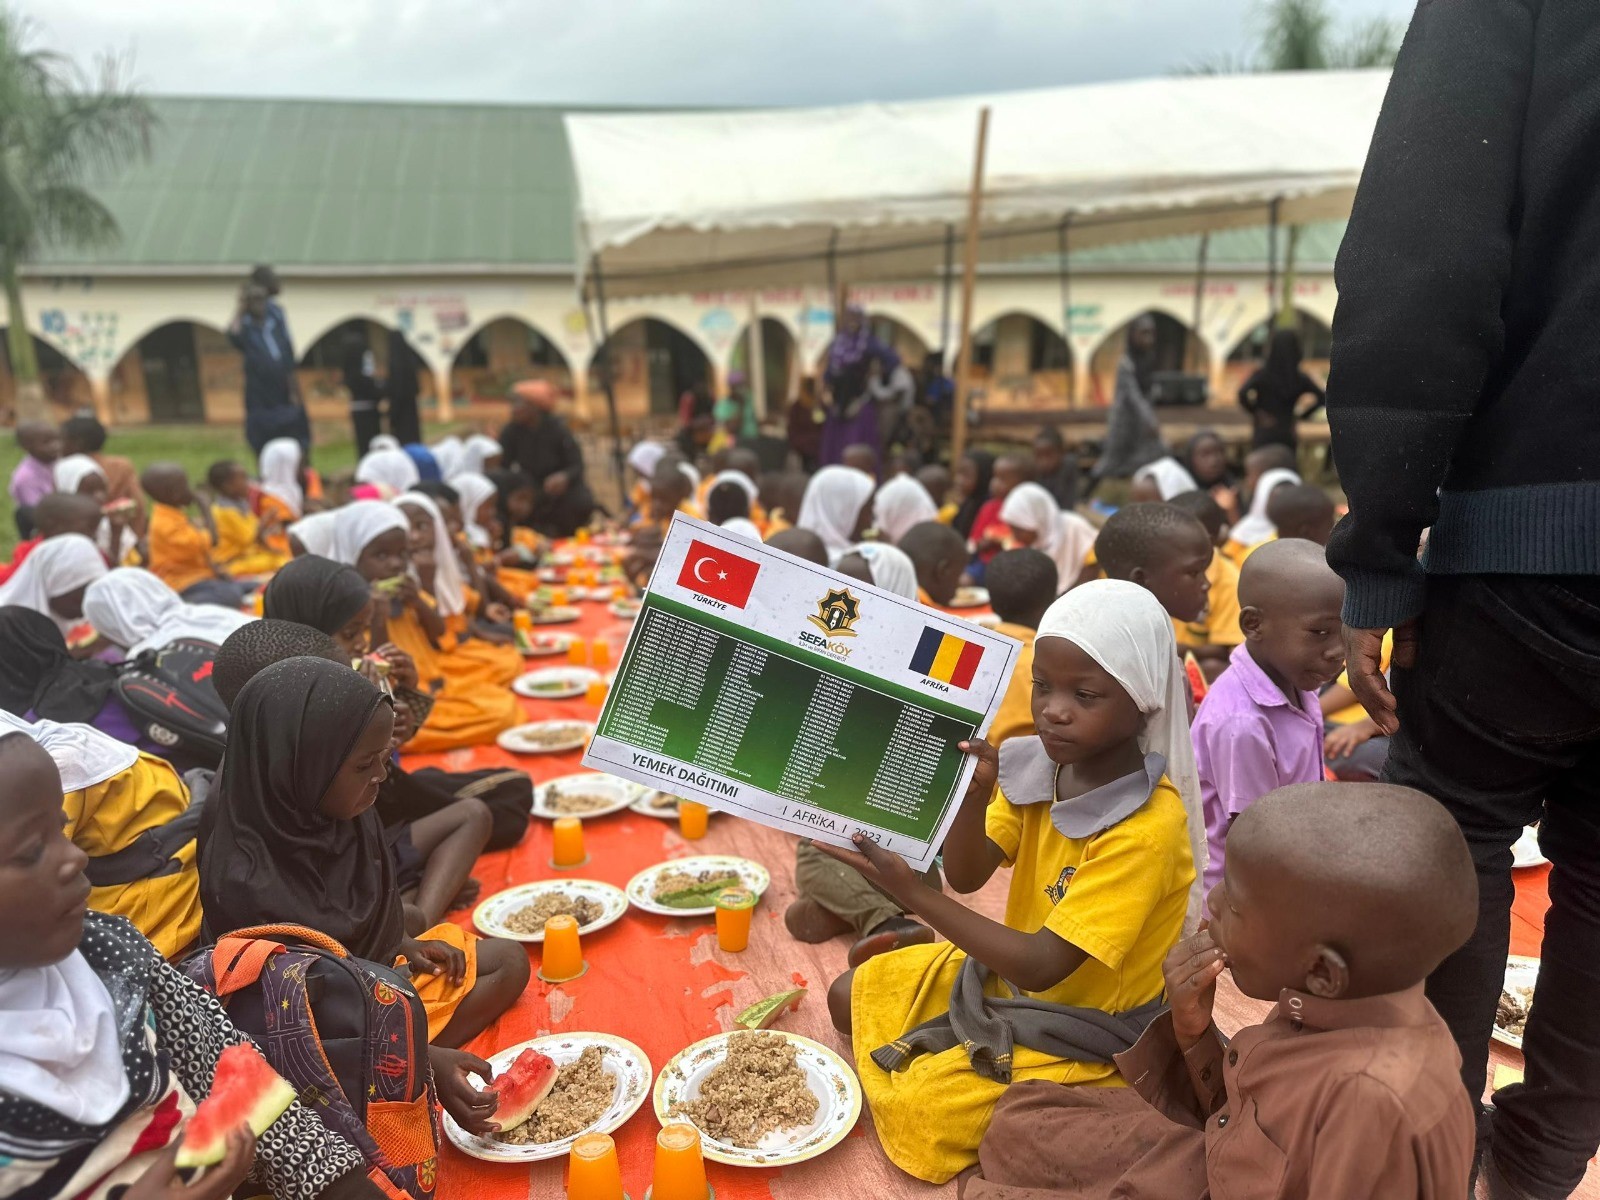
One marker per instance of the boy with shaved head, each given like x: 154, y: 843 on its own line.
x: 1337, y: 902
x: 1260, y: 728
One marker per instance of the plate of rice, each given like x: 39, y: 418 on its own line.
x: 691, y: 884
x: 519, y: 913
x: 556, y: 614
x: 1516, y: 997
x: 760, y: 1098
x: 602, y: 1081
x: 969, y: 597
x: 663, y: 805
x: 584, y: 795
x: 546, y: 737
x: 543, y: 645
x: 554, y: 683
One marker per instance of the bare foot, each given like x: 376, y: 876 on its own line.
x: 467, y: 896
x: 894, y: 934
x: 807, y: 921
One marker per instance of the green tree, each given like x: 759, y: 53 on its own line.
x: 59, y: 128
x: 1302, y: 35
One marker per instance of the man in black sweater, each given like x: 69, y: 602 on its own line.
x: 1464, y: 397
x: 538, y: 443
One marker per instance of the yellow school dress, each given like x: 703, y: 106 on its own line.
x: 107, y: 817
x: 1220, y: 624
x: 1237, y: 552
x: 239, y: 550
x: 470, y: 659
x: 1350, y: 714
x: 1120, y: 895
x: 1015, y: 715
x: 467, y: 711
x: 439, y: 996
x: 275, y: 511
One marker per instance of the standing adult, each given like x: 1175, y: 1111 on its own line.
x: 851, y: 412
x: 1462, y: 398
x: 403, y: 387
x: 1133, y: 431
x: 1272, y: 394
x: 538, y: 443
x: 358, y: 367
x: 260, y: 332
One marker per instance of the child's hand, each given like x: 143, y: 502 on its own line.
x: 981, y: 789
x: 1191, y: 969
x: 405, y: 724
x: 402, y: 667
x: 435, y: 958
x: 1343, y: 740
x: 452, y: 1077
x: 160, y: 1180
x: 879, y: 867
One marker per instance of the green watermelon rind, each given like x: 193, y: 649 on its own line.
x: 205, y: 1135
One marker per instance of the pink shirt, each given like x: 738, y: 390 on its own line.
x: 1250, y: 740
x: 31, y: 482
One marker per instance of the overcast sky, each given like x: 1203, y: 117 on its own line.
x: 648, y: 52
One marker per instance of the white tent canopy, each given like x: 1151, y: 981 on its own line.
x: 673, y: 202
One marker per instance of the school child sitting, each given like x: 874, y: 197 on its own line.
x: 988, y: 528
x: 1099, y: 818
x: 1162, y: 549
x: 900, y: 505
x: 135, y: 611
x: 1353, y: 747
x: 1300, y: 510
x: 940, y: 558
x: 288, y: 491
x: 1260, y: 727
x: 642, y: 460
x: 672, y: 489
x: 78, y: 474
x: 1211, y: 639
x: 108, y: 1048
x: 801, y: 543
x: 728, y: 506
x: 1019, y: 596
x: 1031, y: 516
x: 292, y: 839
x: 1256, y: 526
x: 1337, y: 902
x: 883, y: 566
x: 837, y: 507
x: 335, y: 600
x: 241, y: 548
x: 54, y: 577
x: 475, y: 651
x: 85, y: 435
x: 781, y: 493
x: 57, y: 513
x: 936, y: 478
x: 180, y: 549
x: 33, y: 478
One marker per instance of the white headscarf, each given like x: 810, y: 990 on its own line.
x: 73, y: 470
x: 56, y: 566
x: 902, y: 503
x: 315, y: 533
x: 356, y: 525
x: 742, y: 527
x: 474, y: 489
x: 383, y: 442
x: 892, y: 569
x: 392, y: 468
x: 1064, y: 536
x: 475, y: 451
x: 644, y: 457
x: 1124, y: 628
x: 280, y: 473
x: 83, y: 754
x: 447, y: 453
x: 831, y: 505
x: 1170, y: 477
x: 694, y: 478
x: 449, y: 588
x: 139, y: 612
x: 1256, y: 528
x: 739, y: 477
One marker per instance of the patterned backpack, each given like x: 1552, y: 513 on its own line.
x: 350, y: 1036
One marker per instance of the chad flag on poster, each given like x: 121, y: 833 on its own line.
x: 947, y: 658
x: 718, y: 574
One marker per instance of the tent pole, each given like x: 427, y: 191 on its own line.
x: 1064, y: 267
x: 1200, y: 287
x: 1272, y: 266
x: 944, y: 303
x: 757, y: 358
x: 835, y: 295
x: 617, y: 456
x: 969, y: 280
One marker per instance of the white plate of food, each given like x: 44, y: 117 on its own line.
x: 1522, y: 973
x: 970, y: 597
x: 688, y: 878
x: 546, y: 737
x: 554, y: 683
x: 555, y: 614
x: 519, y: 913
x: 657, y: 804
x: 1525, y: 853
x: 627, y: 610
x: 602, y: 1080
x: 544, y: 645
x: 786, y: 1100
x: 583, y: 795
x: 986, y: 620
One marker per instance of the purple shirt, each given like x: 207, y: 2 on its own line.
x: 31, y: 482
x: 1250, y: 740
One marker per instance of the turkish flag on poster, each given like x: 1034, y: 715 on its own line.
x: 718, y: 574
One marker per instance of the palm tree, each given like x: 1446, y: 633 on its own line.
x: 1301, y: 35
x: 57, y: 129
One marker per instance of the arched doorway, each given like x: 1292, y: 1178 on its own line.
x: 501, y: 353
x: 1316, y: 344
x: 66, y: 387
x: 901, y: 338
x: 1178, y: 349
x: 162, y: 377
x: 1020, y: 362
x: 323, y: 362
x: 777, y: 358
x: 652, y: 364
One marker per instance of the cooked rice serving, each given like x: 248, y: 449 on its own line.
x: 676, y: 881
x: 582, y: 1093
x: 531, y: 919
x: 575, y: 803
x: 757, y: 1089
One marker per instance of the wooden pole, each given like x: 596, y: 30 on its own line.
x: 757, y: 359
x: 969, y: 280
x: 1200, y: 293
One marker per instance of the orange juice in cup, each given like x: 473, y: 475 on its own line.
x: 578, y: 652
x: 734, y: 906
x: 596, y: 694
x: 600, y: 654
x: 680, y: 1172
x: 558, y: 597
x: 692, y: 820
x: 592, y: 1169
x: 563, y: 956
x: 566, y: 844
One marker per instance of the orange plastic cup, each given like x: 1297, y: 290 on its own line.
x: 734, y: 907
x: 600, y: 656
x: 680, y: 1172
x: 620, y: 592
x: 566, y: 849
x: 592, y: 1169
x: 523, y: 620
x: 583, y: 536
x: 578, y: 652
x: 692, y: 820
x: 596, y: 694
x: 563, y: 956
x: 558, y: 597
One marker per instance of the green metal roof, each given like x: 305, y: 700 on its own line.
x: 341, y: 184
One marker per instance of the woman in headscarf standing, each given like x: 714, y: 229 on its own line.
x: 852, y: 413
x: 1272, y: 394
x: 1133, y: 431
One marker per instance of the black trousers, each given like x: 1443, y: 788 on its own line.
x: 1500, y: 720
x: 368, y: 423
x: 404, y: 421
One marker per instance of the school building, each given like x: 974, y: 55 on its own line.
x: 454, y: 224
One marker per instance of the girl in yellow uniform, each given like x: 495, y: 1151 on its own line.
x: 241, y: 547
x: 1099, y: 818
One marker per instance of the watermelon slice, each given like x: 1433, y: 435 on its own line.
x: 246, y: 1091
x: 522, y: 1087
x: 764, y: 1013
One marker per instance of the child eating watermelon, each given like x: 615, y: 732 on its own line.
x: 105, y: 1050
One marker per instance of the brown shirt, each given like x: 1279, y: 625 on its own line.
x: 122, y: 483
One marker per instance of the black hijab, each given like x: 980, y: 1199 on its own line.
x: 38, y: 675
x: 967, y: 515
x: 272, y: 857
x: 317, y: 592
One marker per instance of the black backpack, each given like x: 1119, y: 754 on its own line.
x: 169, y: 694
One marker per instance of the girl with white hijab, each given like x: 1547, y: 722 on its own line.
x: 900, y: 504
x: 133, y: 609
x: 475, y: 490
x: 70, y: 473
x: 280, y: 474
x: 315, y: 533
x: 1169, y: 476
x: 1256, y: 528
x: 892, y: 569
x: 1035, y: 520
x: 835, y: 507
x: 50, y: 580
x: 447, y: 453
x: 358, y: 524
x: 449, y: 587
x: 388, y: 468
x: 476, y: 452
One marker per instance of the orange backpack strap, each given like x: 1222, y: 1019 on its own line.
x: 294, y: 933
x: 238, y: 959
